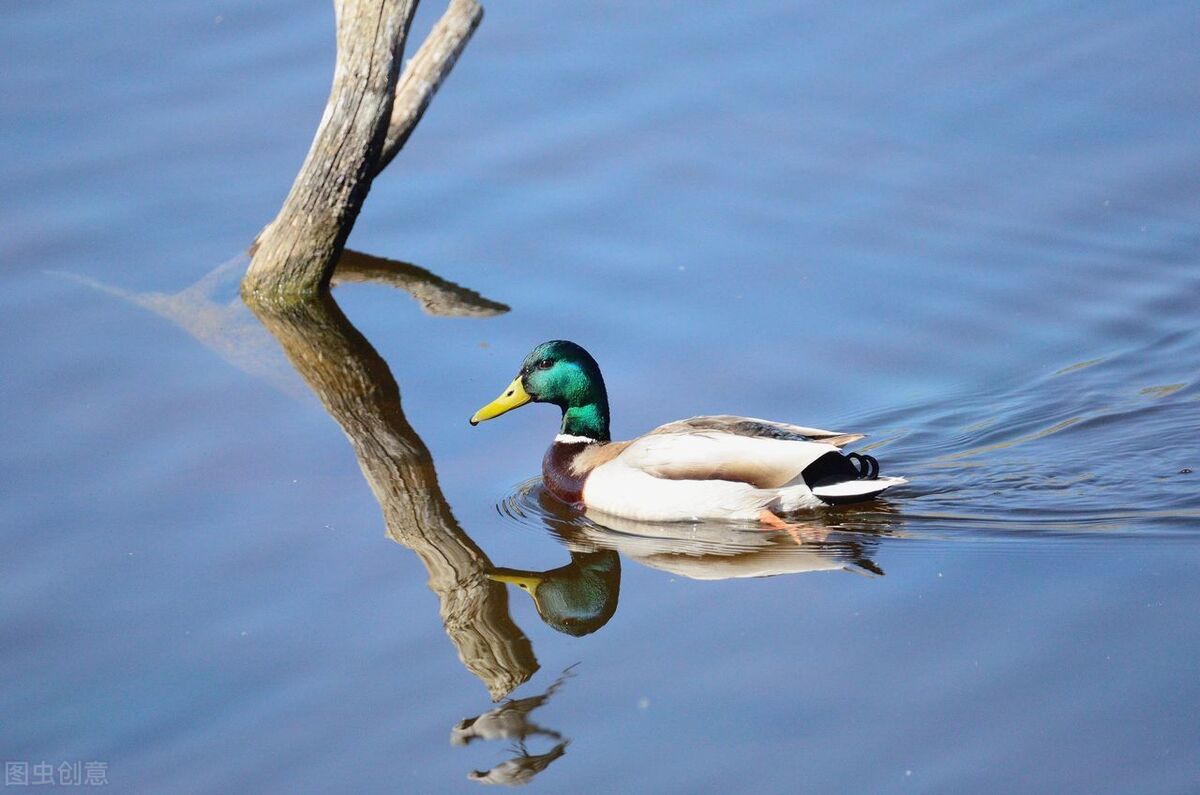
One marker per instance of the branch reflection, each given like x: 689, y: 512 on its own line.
x: 357, y: 389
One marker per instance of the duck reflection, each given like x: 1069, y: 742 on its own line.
x: 511, y: 721
x: 577, y: 598
x: 520, y: 769
x: 710, y: 551
x: 581, y: 597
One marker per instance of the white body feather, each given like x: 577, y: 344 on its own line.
x: 622, y: 490
x: 682, y: 472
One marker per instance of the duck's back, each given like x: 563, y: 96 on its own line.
x: 756, y: 428
x: 682, y: 451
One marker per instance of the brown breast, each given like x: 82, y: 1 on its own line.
x: 561, y: 478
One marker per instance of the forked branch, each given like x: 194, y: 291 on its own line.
x: 369, y: 116
x: 424, y: 74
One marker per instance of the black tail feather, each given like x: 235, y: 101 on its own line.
x: 838, y: 468
x: 868, y: 467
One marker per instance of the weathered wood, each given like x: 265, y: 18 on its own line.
x: 358, y: 391
x: 424, y: 74
x: 368, y: 118
x: 296, y: 253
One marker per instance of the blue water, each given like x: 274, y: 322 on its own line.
x: 968, y: 231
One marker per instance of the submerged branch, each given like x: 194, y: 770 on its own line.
x: 210, y: 311
x: 436, y: 295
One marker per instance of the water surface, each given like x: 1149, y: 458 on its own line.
x: 967, y: 231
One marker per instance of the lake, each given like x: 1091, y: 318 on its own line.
x: 241, y: 557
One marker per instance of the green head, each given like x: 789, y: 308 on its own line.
x: 562, y: 373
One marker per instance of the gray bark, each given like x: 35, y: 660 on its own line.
x: 424, y: 74
x: 368, y: 117
x: 370, y: 114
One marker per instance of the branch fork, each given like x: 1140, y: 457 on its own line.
x: 372, y: 110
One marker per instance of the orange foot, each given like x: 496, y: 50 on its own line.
x: 800, y: 535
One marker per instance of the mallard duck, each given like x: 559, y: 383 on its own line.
x: 719, y: 467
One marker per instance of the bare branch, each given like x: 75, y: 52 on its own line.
x: 296, y: 252
x: 426, y: 72
x: 368, y: 118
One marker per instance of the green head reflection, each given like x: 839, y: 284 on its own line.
x: 577, y: 598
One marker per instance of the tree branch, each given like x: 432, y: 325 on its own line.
x: 368, y: 118
x: 425, y: 73
x: 296, y: 253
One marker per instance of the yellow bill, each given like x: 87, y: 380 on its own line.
x: 513, y: 397
x: 529, y: 581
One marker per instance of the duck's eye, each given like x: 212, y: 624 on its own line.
x: 545, y: 364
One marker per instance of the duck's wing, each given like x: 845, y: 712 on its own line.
x: 690, y: 452
x: 758, y: 429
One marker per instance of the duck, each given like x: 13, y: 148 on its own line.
x: 720, y: 467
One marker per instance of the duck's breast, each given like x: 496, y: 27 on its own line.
x: 559, y: 475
